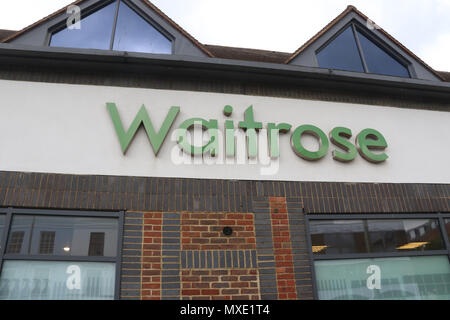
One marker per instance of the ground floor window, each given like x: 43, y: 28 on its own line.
x: 380, y: 257
x: 59, y: 255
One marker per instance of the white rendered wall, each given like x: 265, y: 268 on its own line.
x: 62, y: 128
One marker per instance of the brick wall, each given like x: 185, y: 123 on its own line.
x: 215, y: 265
x: 187, y: 255
x: 204, y: 231
x: 220, y: 284
x: 173, y: 241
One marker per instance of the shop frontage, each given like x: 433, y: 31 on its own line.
x: 178, y: 170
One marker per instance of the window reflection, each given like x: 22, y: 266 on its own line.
x: 131, y: 32
x: 369, y: 236
x: 341, y: 53
x: 47, y: 242
x: 392, y: 235
x: 15, y: 242
x: 73, y: 236
x: 95, y: 31
x: 337, y: 237
x: 135, y: 34
x: 379, y: 61
x: 96, y: 244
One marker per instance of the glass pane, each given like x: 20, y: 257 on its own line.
x: 411, y: 278
x: 342, y: 53
x: 404, y: 235
x: 61, y: 280
x: 63, y: 236
x: 379, y: 61
x: 338, y: 236
x: 366, y: 236
x: 95, y: 31
x: 135, y: 34
x: 2, y: 227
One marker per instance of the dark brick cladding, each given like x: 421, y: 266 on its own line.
x: 44, y: 190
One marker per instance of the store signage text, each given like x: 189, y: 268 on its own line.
x: 366, y: 142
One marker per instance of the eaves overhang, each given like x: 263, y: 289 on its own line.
x: 69, y: 60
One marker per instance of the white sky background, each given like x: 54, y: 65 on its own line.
x: 423, y: 26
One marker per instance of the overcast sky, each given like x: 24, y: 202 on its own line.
x: 423, y: 26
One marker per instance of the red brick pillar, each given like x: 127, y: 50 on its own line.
x: 282, y: 248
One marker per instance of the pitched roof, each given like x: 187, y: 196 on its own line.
x: 268, y: 56
x: 445, y: 75
x: 176, y: 26
x: 37, y: 23
x: 247, y: 54
x: 364, y: 17
x: 234, y: 53
x: 146, y: 2
x: 5, y: 34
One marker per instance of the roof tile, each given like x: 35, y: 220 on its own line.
x: 5, y: 34
x: 247, y: 54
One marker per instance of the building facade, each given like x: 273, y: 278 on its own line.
x: 138, y: 163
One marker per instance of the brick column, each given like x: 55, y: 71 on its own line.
x: 282, y: 248
x: 130, y: 282
x: 300, y: 253
x: 151, y: 257
x: 170, y: 280
x: 264, y: 248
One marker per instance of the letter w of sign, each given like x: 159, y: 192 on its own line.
x: 156, y: 138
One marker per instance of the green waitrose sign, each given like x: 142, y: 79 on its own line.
x: 367, y: 141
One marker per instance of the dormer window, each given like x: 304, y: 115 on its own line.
x: 354, y: 50
x: 115, y: 26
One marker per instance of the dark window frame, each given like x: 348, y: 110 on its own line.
x: 117, y: 260
x: 357, y: 26
x: 440, y: 217
x: 61, y: 25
